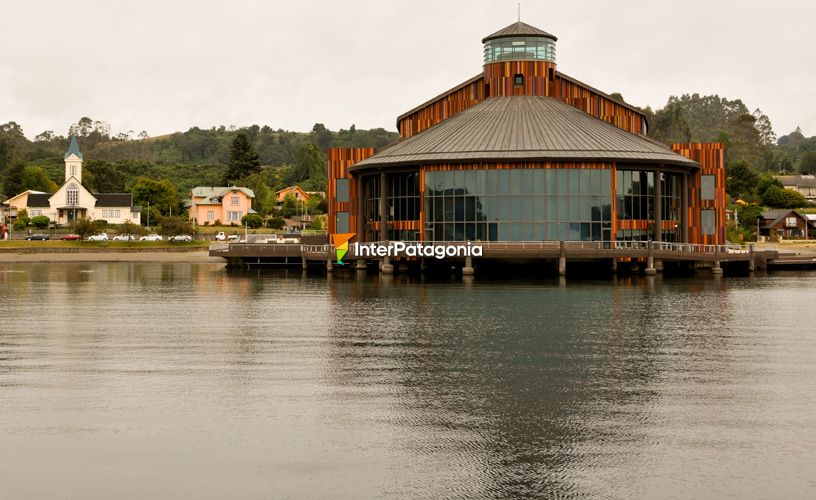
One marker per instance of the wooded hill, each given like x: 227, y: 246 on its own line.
x: 114, y: 162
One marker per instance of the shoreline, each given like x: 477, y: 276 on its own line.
x: 34, y: 255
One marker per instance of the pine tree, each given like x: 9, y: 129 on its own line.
x: 243, y: 159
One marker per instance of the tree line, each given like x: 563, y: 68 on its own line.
x: 164, y: 169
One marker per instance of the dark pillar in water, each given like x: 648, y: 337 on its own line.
x: 562, y: 259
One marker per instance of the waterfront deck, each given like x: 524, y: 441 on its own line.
x: 648, y: 253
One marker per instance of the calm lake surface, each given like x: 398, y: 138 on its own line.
x: 177, y: 380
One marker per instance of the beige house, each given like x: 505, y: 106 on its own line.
x: 220, y: 203
x: 73, y: 200
x: 804, y: 184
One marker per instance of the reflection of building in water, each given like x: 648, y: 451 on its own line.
x: 523, y: 152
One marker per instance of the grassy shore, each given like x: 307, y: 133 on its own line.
x: 110, y: 251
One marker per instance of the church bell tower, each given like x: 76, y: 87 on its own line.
x: 73, y: 161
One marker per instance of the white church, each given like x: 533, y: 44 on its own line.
x: 74, y: 201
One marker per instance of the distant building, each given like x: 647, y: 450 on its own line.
x: 524, y: 152
x: 785, y: 224
x: 297, y: 193
x: 804, y: 184
x: 73, y: 200
x: 227, y: 204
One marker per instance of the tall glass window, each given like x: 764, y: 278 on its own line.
x: 72, y: 195
x: 518, y: 205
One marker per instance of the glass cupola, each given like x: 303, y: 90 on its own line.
x: 519, y: 42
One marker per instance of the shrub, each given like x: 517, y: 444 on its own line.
x: 276, y: 222
x: 19, y: 224
x: 86, y: 227
x: 40, y: 221
x: 253, y: 221
x: 217, y: 222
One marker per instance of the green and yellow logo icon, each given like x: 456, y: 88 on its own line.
x: 341, y: 244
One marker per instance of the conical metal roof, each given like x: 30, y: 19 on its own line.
x: 524, y: 128
x: 73, y: 149
x: 519, y: 29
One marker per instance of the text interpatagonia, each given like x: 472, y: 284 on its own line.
x: 401, y: 248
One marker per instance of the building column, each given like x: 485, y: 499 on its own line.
x: 684, y: 209
x: 658, y: 208
x: 383, y: 207
x: 361, y: 214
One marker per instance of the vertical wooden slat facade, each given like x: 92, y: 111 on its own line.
x: 499, y: 78
x: 711, y: 157
x: 339, y: 161
x: 539, y: 79
x: 442, y: 107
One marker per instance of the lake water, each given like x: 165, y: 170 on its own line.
x: 178, y: 380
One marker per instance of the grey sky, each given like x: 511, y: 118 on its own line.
x: 165, y: 66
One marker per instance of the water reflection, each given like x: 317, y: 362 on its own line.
x: 284, y: 383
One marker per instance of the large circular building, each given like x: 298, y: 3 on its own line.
x: 522, y: 152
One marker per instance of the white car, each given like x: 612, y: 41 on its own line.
x: 224, y: 237
x: 180, y: 237
x: 98, y: 237
x: 151, y: 237
x: 124, y: 237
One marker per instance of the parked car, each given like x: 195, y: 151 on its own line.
x: 151, y: 237
x: 98, y: 237
x: 124, y: 237
x: 225, y: 237
x: 180, y: 237
x: 37, y: 236
x: 71, y: 237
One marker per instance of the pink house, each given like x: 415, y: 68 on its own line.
x: 224, y: 204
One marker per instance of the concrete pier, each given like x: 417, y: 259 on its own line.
x: 386, y: 267
x: 468, y: 269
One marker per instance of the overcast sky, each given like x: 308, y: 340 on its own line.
x: 165, y: 66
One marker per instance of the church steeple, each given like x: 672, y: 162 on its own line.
x: 73, y: 161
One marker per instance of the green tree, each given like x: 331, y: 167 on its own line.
x: 85, y: 227
x: 669, y: 125
x: 276, y: 222
x: 22, y: 215
x: 106, y: 178
x: 128, y: 227
x: 252, y: 221
x: 741, y: 180
x: 290, y: 206
x: 309, y: 164
x: 748, y: 215
x: 808, y: 164
x: 243, y: 159
x: 13, y: 183
x: 36, y: 179
x: 174, y: 226
x: 778, y: 197
x: 40, y: 221
x: 161, y: 195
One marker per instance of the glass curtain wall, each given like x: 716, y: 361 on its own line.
x: 518, y: 205
x: 635, y: 199
x: 402, y: 204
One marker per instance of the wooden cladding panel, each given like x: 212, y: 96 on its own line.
x: 599, y: 106
x: 499, y: 78
x: 339, y: 160
x: 711, y: 157
x: 441, y: 109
